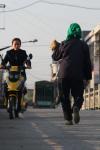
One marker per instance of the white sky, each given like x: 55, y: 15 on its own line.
x: 44, y: 22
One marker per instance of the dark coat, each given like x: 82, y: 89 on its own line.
x: 15, y: 57
x: 75, y: 62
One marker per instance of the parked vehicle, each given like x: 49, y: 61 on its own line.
x: 44, y: 95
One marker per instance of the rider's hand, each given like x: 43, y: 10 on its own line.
x: 28, y: 67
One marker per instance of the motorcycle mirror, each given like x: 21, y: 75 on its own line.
x: 30, y: 56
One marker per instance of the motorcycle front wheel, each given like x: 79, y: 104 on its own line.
x: 13, y: 107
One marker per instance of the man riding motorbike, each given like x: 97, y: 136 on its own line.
x: 17, y: 57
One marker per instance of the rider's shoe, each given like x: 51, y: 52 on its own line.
x: 11, y: 116
x: 16, y: 114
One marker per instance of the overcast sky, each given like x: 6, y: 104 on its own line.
x: 45, y: 22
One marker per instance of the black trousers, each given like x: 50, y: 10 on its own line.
x: 68, y: 88
x: 21, y: 92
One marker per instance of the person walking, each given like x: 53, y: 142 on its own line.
x: 75, y: 71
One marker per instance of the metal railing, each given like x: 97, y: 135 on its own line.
x: 92, y: 98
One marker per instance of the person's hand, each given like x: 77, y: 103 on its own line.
x: 54, y: 76
x: 86, y: 82
x: 53, y: 45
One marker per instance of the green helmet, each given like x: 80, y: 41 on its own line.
x: 74, y: 31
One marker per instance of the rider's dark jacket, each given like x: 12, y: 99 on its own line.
x: 15, y: 58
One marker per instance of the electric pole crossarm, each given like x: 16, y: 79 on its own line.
x: 2, y: 5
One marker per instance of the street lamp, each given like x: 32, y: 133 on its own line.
x: 6, y: 47
x: 33, y: 41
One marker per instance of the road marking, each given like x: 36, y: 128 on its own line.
x: 47, y: 139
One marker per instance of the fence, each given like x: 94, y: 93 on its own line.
x: 92, y: 98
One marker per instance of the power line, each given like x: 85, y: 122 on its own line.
x: 70, y: 5
x: 52, y: 3
x: 26, y: 6
x: 42, y: 24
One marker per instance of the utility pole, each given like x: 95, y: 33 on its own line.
x: 2, y: 6
x: 1, y: 72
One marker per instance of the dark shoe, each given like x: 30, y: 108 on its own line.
x: 16, y: 114
x: 67, y: 117
x: 76, y: 114
x: 8, y: 110
x: 11, y: 116
x: 69, y: 122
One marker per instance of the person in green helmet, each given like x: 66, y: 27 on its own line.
x: 75, y: 71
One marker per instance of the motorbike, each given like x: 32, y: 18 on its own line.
x: 14, y: 89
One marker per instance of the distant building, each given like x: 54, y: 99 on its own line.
x: 92, y: 93
x: 84, y: 34
x: 93, y: 40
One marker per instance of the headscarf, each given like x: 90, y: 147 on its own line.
x: 74, y: 31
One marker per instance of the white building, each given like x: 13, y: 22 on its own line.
x: 93, y: 40
x: 92, y: 94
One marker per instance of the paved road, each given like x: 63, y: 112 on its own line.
x: 45, y: 129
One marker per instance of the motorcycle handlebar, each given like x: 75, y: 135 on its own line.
x: 20, y: 67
